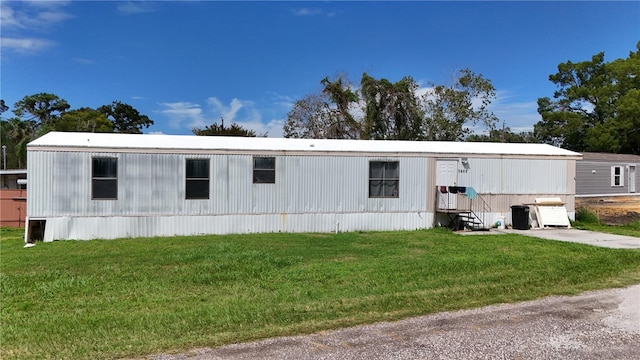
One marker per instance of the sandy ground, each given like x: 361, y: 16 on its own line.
x: 601, y: 324
x: 613, y: 210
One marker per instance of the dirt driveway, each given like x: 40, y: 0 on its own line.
x: 594, y: 325
x: 613, y: 210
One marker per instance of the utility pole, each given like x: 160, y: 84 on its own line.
x: 4, y: 157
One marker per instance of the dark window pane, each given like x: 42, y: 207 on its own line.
x: 197, y: 168
x: 375, y: 188
x: 264, y: 163
x: 104, y: 189
x: 391, y: 188
x: 391, y: 170
x: 105, y: 167
x: 376, y: 170
x: 264, y: 177
x: 383, y: 179
x: 264, y: 170
x: 197, y: 189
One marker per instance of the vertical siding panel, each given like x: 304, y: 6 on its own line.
x: 311, y: 193
x: 516, y: 176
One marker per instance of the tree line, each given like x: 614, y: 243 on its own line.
x: 381, y: 109
x: 595, y: 108
x: 37, y: 114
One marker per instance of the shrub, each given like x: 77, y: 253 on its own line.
x: 587, y: 216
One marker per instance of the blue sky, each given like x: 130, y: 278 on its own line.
x: 189, y: 63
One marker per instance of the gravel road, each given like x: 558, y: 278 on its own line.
x: 594, y: 325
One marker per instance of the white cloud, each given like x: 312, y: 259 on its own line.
x: 25, y: 45
x: 47, y: 4
x: 8, y: 17
x: 84, y: 60
x: 32, y: 15
x: 284, y: 101
x: 273, y: 128
x: 19, y: 20
x: 184, y: 114
x: 227, y: 112
x: 136, y: 7
x: 242, y: 112
x: 237, y: 111
x: 305, y: 11
x: 518, y: 116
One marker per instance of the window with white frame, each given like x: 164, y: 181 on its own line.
x: 617, y: 176
x: 104, y: 178
x: 384, y: 179
x: 264, y: 170
x: 197, y: 179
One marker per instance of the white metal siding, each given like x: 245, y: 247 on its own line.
x: 111, y: 227
x: 154, y: 184
x: 515, y: 176
x: 320, y: 192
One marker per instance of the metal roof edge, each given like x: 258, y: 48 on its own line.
x: 65, y: 141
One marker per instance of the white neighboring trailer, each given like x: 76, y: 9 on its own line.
x: 93, y: 185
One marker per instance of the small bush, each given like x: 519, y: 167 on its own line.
x: 587, y: 216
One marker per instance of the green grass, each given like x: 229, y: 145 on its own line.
x: 588, y: 220
x: 130, y: 297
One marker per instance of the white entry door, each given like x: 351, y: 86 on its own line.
x: 447, y: 176
x: 632, y: 178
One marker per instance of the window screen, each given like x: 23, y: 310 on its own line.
x: 264, y: 170
x: 197, y: 179
x: 104, y: 178
x: 384, y: 179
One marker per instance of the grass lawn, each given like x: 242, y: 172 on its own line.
x: 130, y: 297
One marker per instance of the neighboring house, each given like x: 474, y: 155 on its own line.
x: 13, y: 197
x: 602, y: 174
x: 89, y: 185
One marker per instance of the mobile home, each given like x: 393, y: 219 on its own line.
x: 89, y: 185
x: 603, y: 174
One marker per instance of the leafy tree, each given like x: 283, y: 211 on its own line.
x: 504, y: 135
x: 342, y: 123
x: 451, y: 109
x: 327, y: 115
x: 220, y: 130
x: 3, y: 107
x: 125, y: 118
x: 595, y: 107
x: 42, y: 108
x: 392, y: 110
x: 16, y: 134
x: 310, y: 118
x: 83, y: 120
